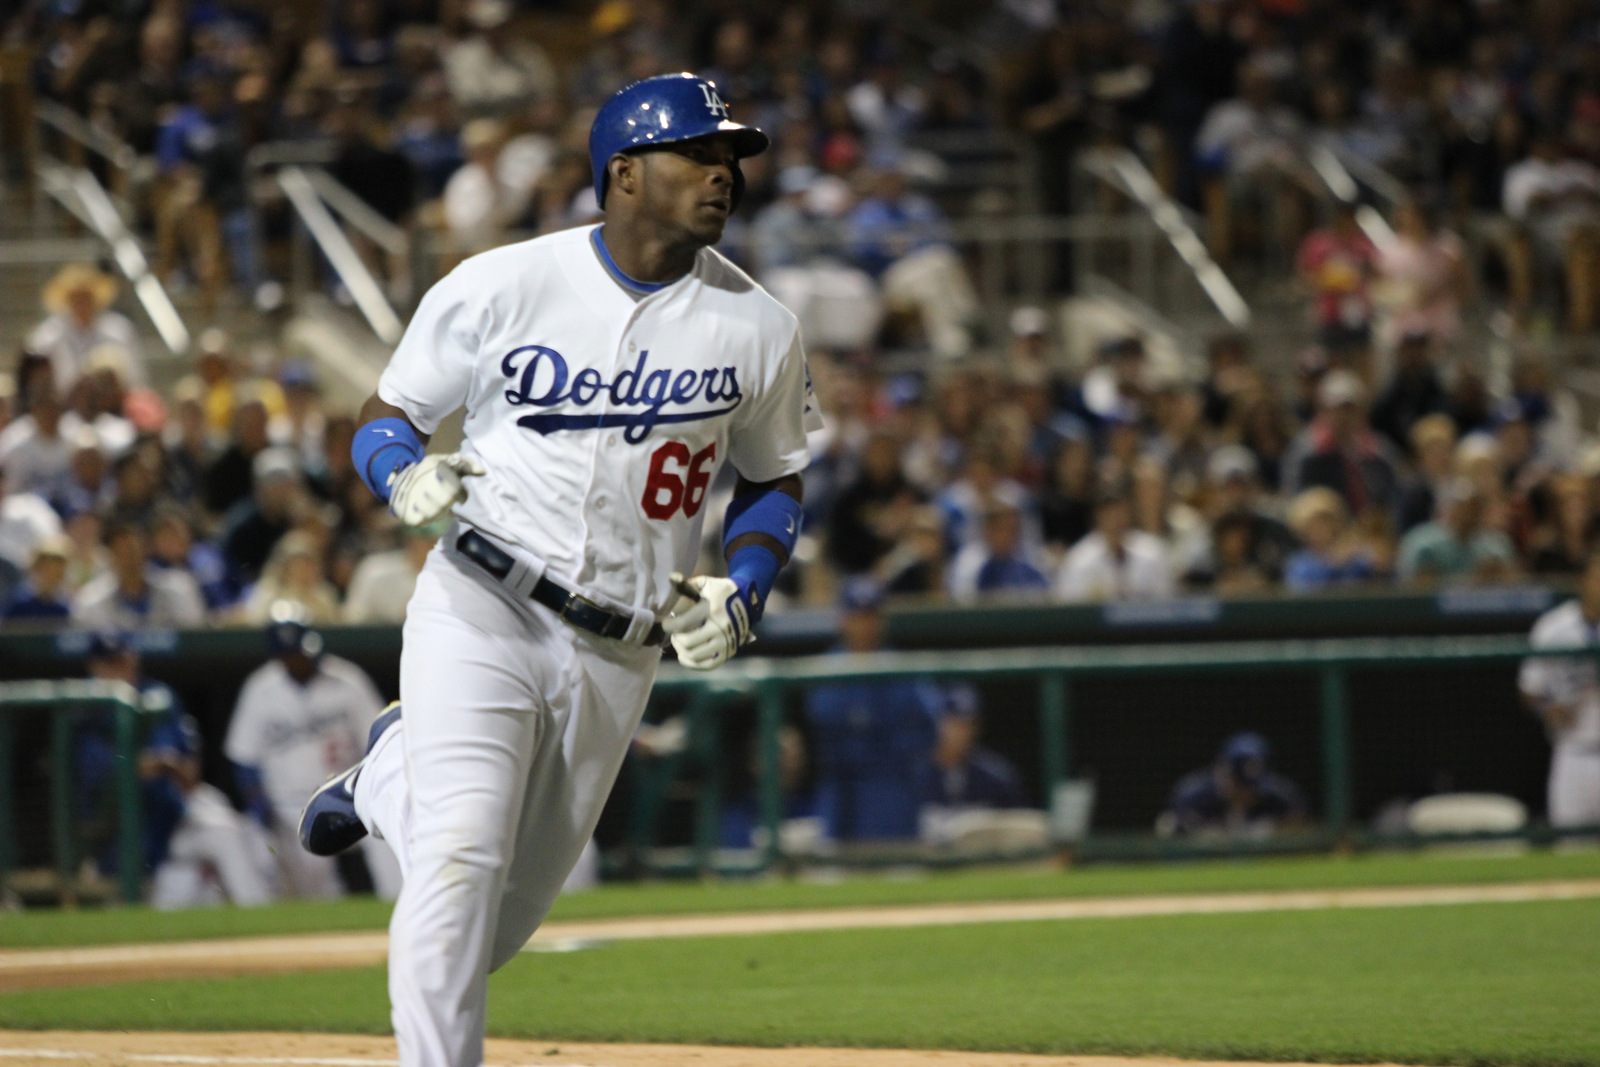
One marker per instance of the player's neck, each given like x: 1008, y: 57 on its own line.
x: 644, y: 253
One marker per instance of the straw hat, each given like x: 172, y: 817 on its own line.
x: 76, y: 276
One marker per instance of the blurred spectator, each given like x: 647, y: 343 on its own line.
x: 1333, y: 555
x: 383, y: 581
x: 43, y: 596
x: 1556, y: 199
x: 1564, y: 543
x: 301, y: 717
x: 1457, y: 545
x: 202, y: 203
x: 477, y: 201
x: 901, y: 238
x: 81, y: 319
x: 293, y: 573
x: 37, y: 456
x: 1066, y: 503
x: 1414, y: 391
x: 873, y: 739
x: 1423, y: 276
x: 200, y: 851
x: 493, y: 70
x: 1116, y: 561
x: 871, y: 513
x: 998, y: 561
x: 25, y: 520
x: 1248, y: 546
x: 1338, y: 451
x: 231, y: 476
x: 1433, y: 443
x: 962, y: 773
x: 1337, y: 264
x: 134, y: 593
x: 916, y: 564
x: 1228, y: 374
x: 173, y: 546
x: 1239, y: 795
x: 1247, y: 149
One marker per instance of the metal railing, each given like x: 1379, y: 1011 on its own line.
x: 1055, y: 672
x: 73, y: 184
x: 1166, y: 219
x: 63, y: 701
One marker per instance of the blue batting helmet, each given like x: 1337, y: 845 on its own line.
x: 663, y: 110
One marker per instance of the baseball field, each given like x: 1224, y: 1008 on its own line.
x: 1432, y: 959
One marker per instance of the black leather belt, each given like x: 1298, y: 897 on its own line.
x: 570, y: 607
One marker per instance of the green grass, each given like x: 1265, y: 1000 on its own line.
x: 1512, y: 984
x: 128, y: 925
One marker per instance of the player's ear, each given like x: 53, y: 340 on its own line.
x: 624, y: 172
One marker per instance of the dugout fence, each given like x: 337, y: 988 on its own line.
x: 1348, y: 716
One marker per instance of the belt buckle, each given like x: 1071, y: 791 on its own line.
x: 573, y: 600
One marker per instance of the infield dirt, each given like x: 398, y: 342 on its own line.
x: 58, y: 1048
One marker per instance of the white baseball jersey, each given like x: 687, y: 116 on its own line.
x: 299, y: 735
x: 603, y: 415
x: 1566, y: 681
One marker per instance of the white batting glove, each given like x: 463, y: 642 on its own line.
x: 428, y: 489
x: 715, y: 626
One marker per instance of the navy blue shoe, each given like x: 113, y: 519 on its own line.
x: 328, y: 824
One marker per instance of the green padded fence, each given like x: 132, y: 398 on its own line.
x: 1055, y: 670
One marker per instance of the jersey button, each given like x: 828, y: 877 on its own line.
x: 611, y: 440
x: 600, y: 503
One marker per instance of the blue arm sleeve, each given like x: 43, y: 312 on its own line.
x: 253, y: 793
x: 382, y: 447
x: 755, y: 567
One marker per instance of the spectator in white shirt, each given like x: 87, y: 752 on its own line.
x: 1115, y: 561
x: 1557, y: 202
x: 477, y: 201
x: 135, y: 594
x: 79, y: 300
x: 36, y: 455
x: 382, y: 584
x: 491, y: 71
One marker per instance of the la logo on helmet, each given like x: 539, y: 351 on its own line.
x: 714, y: 102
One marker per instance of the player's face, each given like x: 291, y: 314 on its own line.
x: 689, y: 186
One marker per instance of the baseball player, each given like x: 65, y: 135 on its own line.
x: 300, y: 717
x: 608, y: 372
x: 1565, y: 693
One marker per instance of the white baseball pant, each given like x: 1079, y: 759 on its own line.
x: 514, y: 728
x: 1573, y: 797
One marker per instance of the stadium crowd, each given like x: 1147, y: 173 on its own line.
x: 960, y: 461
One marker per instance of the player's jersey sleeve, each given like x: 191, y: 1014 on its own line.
x: 1554, y: 680
x: 769, y: 438
x: 431, y: 371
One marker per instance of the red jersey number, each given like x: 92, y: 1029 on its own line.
x: 677, y: 480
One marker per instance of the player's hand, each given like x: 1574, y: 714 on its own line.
x: 714, y: 627
x: 428, y: 489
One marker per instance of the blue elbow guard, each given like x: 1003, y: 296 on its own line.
x: 382, y: 447
x: 756, y: 567
x: 778, y: 515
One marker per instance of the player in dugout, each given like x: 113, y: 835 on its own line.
x: 1239, y: 795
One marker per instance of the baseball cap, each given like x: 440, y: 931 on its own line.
x: 109, y: 642
x: 1246, y: 755
x: 278, y: 462
x: 1340, y: 387
x: 56, y: 545
x: 1230, y: 462
x: 861, y: 593
x: 1029, y: 322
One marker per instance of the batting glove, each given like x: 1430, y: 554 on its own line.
x: 428, y: 489
x: 715, y: 626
